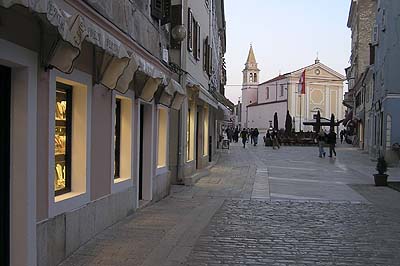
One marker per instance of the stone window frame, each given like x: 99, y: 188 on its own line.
x: 81, y: 141
x: 127, y: 141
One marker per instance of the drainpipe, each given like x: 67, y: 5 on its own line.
x: 179, y: 178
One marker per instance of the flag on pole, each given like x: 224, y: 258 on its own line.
x: 302, y: 83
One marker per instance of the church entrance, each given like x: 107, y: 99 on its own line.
x: 5, y: 102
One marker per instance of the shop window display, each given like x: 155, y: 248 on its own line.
x: 62, y: 138
x: 117, y: 139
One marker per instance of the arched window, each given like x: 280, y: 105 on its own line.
x: 251, y: 77
x: 255, y: 77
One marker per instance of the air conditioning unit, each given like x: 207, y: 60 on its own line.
x: 375, y: 35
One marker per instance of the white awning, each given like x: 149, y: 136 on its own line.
x: 205, y: 96
x: 147, y: 79
x: 166, y: 94
x: 118, y: 65
x: 170, y: 96
x: 73, y: 29
x: 180, y: 95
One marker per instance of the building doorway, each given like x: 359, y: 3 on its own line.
x: 5, y: 103
x: 145, y: 152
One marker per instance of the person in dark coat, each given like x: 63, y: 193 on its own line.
x: 255, y: 136
x: 275, y: 140
x: 332, y: 142
x: 236, y: 135
x: 321, y: 137
x: 341, y: 135
x: 243, y: 135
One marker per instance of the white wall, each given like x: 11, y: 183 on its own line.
x: 274, y: 91
x: 260, y: 115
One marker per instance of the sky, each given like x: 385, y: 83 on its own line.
x: 286, y: 35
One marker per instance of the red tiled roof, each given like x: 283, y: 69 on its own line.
x: 258, y: 104
x: 280, y: 77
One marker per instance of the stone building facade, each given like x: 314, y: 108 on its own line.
x: 88, y: 98
x: 323, y: 92
x: 385, y: 133
x: 358, y: 99
x: 373, y: 93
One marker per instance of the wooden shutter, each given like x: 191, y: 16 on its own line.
x: 157, y: 9
x: 210, y: 61
x: 198, y: 42
x: 190, y: 30
x: 194, y: 41
x: 205, y: 54
x: 166, y: 12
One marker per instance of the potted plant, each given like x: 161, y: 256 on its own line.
x: 381, y: 178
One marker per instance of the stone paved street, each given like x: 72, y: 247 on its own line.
x: 298, y: 233
x: 263, y: 207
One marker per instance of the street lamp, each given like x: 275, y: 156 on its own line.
x: 178, y: 33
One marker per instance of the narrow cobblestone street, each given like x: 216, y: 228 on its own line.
x: 263, y: 207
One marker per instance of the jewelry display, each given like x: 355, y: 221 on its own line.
x: 62, y: 135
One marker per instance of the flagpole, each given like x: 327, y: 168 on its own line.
x: 300, y: 114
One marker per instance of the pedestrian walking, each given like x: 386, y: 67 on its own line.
x: 341, y: 136
x: 275, y: 140
x: 229, y: 133
x: 321, y: 137
x: 255, y: 136
x: 251, y: 135
x: 268, y: 139
x: 332, y: 143
x: 236, y: 135
x: 244, y: 135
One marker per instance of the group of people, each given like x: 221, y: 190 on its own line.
x: 232, y: 134
x: 272, y: 137
x: 251, y: 134
x: 330, y: 139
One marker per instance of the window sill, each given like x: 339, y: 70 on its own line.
x: 121, y: 179
x: 121, y: 184
x: 67, y: 196
x: 161, y: 170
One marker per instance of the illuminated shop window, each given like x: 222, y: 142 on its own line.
x: 117, y: 139
x: 62, y: 139
x: 162, y: 137
x: 206, y: 122
x: 190, y: 133
x: 122, y: 138
x: 188, y: 150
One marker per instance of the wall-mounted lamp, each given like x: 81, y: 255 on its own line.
x: 178, y: 33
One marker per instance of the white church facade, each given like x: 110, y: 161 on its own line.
x: 323, y: 92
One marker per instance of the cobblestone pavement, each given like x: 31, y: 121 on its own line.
x: 318, y: 212
x: 298, y: 233
x: 262, y: 207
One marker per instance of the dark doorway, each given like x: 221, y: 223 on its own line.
x: 5, y: 103
x: 197, y: 140
x: 141, y: 138
x: 210, y: 148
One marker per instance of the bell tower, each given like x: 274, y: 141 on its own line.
x: 251, y: 79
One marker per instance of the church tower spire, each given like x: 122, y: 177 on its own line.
x: 251, y: 71
x: 251, y: 80
x: 251, y: 62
